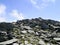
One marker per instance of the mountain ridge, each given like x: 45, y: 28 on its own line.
x: 35, y: 29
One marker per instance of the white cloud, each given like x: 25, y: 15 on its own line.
x: 41, y: 3
x: 2, y: 9
x: 2, y: 13
x: 16, y: 14
x: 34, y: 1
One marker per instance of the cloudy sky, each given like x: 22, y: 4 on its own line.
x: 13, y: 10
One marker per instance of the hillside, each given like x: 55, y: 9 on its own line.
x: 36, y: 31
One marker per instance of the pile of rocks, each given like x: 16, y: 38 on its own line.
x: 30, y: 37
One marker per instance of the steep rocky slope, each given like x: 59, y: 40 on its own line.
x: 36, y: 31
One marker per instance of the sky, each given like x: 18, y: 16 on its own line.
x: 13, y: 10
